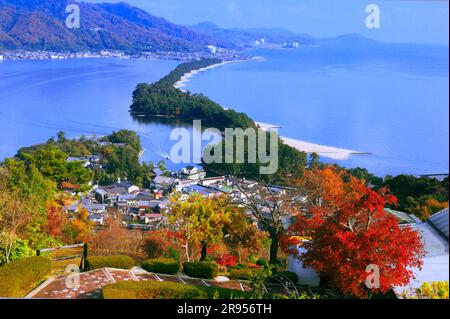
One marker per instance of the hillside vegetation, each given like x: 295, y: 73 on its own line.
x: 40, y: 25
x: 163, y: 99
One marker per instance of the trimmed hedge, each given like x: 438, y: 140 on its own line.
x: 116, y: 261
x: 162, y: 266
x: 243, y: 273
x: 21, y: 276
x: 263, y: 263
x: 166, y: 290
x: 201, y: 269
x: 284, y: 274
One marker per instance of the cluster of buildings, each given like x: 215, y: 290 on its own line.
x: 293, y: 45
x: 47, y: 55
x: 143, y: 208
x: 97, y: 211
x: 209, y: 52
x: 91, y: 161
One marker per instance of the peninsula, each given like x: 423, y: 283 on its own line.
x: 162, y: 98
x: 166, y: 98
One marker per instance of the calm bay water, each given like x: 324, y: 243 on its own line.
x: 392, y: 101
x: 80, y: 97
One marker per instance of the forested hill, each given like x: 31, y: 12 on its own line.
x: 118, y: 155
x: 185, y: 68
x: 163, y: 99
x: 40, y: 25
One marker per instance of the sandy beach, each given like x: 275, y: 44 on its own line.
x: 322, y: 150
x: 182, y: 83
x: 184, y: 80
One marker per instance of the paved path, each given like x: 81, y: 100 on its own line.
x: 88, y: 285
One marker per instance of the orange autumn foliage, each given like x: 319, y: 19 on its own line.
x: 81, y: 225
x: 56, y: 220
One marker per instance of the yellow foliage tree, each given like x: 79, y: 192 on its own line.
x: 198, y: 221
x: 429, y: 290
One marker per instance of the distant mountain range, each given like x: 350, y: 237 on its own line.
x: 348, y: 39
x: 40, y: 25
x: 255, y: 36
x: 260, y: 37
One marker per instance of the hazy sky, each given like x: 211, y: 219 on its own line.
x: 401, y: 20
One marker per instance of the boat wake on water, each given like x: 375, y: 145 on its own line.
x: 89, y: 128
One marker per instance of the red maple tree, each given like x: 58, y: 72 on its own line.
x: 227, y: 260
x: 346, y: 229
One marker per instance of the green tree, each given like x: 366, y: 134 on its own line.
x: 61, y: 137
x: 421, y: 196
x: 127, y: 137
x: 52, y: 164
x: 24, y: 193
x: 18, y: 250
x: 314, y: 160
x: 198, y: 220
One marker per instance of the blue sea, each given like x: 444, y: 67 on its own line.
x: 389, y: 100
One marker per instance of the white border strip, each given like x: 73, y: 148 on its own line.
x: 109, y: 275
x: 39, y: 288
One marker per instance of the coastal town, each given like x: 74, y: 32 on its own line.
x: 143, y: 208
x: 208, y: 52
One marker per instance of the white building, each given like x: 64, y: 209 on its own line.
x: 193, y: 173
x: 182, y: 184
x: 436, y: 263
x: 212, y: 49
x: 128, y: 186
x: 306, y: 276
x: 212, y: 180
x: 96, y: 219
x: 164, y: 182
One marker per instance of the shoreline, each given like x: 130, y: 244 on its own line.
x: 182, y: 82
x: 225, y: 55
x: 331, y: 152
x: 185, y: 79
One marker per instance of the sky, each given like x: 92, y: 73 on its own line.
x: 411, y: 21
